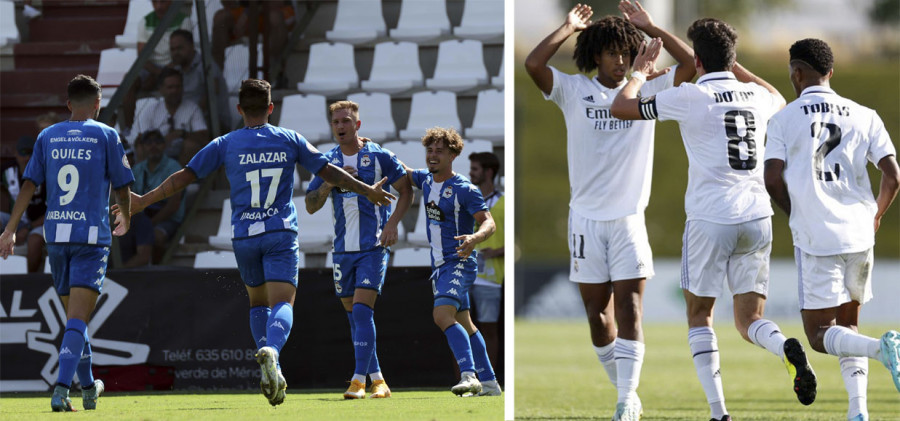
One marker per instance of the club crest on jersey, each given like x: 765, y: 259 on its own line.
x: 125, y: 162
x: 73, y: 132
x: 337, y: 287
x: 448, y: 192
x: 365, y: 161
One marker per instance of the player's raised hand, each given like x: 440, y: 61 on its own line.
x: 7, y: 243
x: 579, y: 17
x: 648, y: 53
x: 635, y: 13
x: 389, y: 235
x: 464, y: 250
x: 378, y: 196
x: 122, y: 225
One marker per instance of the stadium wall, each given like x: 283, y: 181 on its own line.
x: 189, y: 330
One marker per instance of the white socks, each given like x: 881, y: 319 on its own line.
x: 376, y: 376
x: 766, y: 334
x: 705, y: 350
x: 607, y: 356
x: 629, y: 356
x: 844, y: 342
x: 855, y: 372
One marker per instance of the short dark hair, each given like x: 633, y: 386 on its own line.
x: 610, y: 33
x: 184, y: 33
x: 451, y: 138
x: 714, y: 43
x: 814, y: 52
x: 83, y: 89
x: 151, y: 135
x: 487, y: 160
x: 254, y: 97
x: 169, y: 72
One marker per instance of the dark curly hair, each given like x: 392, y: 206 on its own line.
x: 814, y: 52
x: 611, y: 33
x: 714, y: 43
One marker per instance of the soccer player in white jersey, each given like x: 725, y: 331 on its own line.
x: 728, y: 233
x: 453, y: 205
x: 609, y: 173
x: 259, y: 160
x: 78, y: 160
x: 363, y: 234
x: 815, y: 169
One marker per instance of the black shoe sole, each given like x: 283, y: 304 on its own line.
x: 805, y: 380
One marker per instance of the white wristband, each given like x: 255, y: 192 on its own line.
x: 639, y: 76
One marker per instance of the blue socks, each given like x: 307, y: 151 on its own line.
x: 85, y: 374
x: 278, y: 326
x: 482, y: 363
x: 462, y: 349
x: 259, y: 317
x: 364, y: 338
x: 70, y: 351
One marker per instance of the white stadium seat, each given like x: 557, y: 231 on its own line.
x: 9, y: 32
x: 215, y: 259
x: 422, y: 20
x: 460, y: 66
x: 237, y: 68
x: 375, y: 114
x: 462, y: 164
x: 430, y: 109
x: 316, y: 230
x: 418, y: 237
x: 325, y: 147
x: 412, y: 257
x: 137, y: 9
x: 481, y: 19
x: 488, y: 122
x: 331, y: 69
x: 395, y: 68
x: 114, y: 64
x: 222, y: 239
x: 307, y: 115
x: 497, y: 81
x: 412, y: 153
x: 357, y: 21
x: 14, y: 265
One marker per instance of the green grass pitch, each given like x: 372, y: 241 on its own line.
x: 299, y: 405
x: 558, y: 377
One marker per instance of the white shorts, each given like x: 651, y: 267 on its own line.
x: 829, y: 281
x: 603, y: 251
x: 739, y: 253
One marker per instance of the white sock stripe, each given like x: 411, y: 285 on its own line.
x: 685, y: 282
x: 799, y: 275
x: 699, y: 331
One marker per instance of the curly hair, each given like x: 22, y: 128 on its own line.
x: 714, y: 43
x: 451, y: 138
x: 814, y: 52
x: 611, y: 33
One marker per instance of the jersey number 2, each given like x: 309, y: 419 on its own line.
x: 830, y: 144
x: 735, y: 140
x: 254, y: 176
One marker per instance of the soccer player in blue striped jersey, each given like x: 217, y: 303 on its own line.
x: 363, y: 232
x: 453, y: 205
x: 259, y: 160
x: 78, y: 159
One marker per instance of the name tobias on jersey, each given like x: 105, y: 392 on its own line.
x: 824, y: 107
x: 263, y: 158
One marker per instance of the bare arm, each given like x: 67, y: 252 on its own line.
x: 173, y: 184
x: 317, y: 198
x: 8, y: 238
x: 390, y: 234
x: 536, y: 62
x: 680, y: 51
x: 890, y: 184
x: 775, y: 185
x: 340, y: 178
x: 744, y: 75
x: 123, y: 219
x: 486, y: 228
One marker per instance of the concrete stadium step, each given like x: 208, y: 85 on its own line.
x: 85, y: 8
x: 28, y: 81
x: 87, y: 28
x: 53, y: 54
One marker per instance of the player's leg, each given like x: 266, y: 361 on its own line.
x: 629, y: 349
x: 446, y: 304
x: 854, y: 370
x: 370, y: 279
x: 483, y: 368
x: 598, y: 305
x: 364, y: 337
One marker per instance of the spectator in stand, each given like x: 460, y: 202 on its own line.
x: 152, y: 228
x: 46, y: 120
x: 189, y: 62
x: 230, y: 25
x: 31, y: 226
x: 179, y: 120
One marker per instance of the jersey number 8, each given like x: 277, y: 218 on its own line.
x: 735, y: 140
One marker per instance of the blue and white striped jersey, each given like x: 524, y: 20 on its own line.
x: 449, y: 207
x: 82, y: 159
x: 259, y: 162
x: 357, y: 221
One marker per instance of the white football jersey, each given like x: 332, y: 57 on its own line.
x: 825, y: 140
x: 723, y: 126
x: 610, y: 160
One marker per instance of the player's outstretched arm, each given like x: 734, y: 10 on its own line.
x: 340, y: 178
x: 317, y: 198
x: 775, y: 185
x: 390, y: 234
x: 890, y: 184
x: 486, y: 228
x: 626, y: 105
x: 174, y: 184
x: 8, y: 238
x: 123, y: 219
x: 680, y: 51
x: 744, y: 75
x: 536, y: 62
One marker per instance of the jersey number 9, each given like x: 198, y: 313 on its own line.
x: 68, y: 183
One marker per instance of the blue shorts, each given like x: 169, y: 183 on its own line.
x: 363, y: 269
x: 77, y: 265
x: 451, y: 281
x: 270, y: 257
